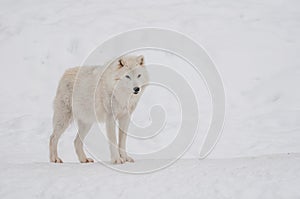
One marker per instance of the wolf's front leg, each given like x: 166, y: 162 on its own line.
x: 123, y: 127
x: 113, y: 146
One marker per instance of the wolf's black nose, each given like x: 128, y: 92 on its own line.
x: 136, y: 89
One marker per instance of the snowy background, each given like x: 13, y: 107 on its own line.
x: 255, y: 45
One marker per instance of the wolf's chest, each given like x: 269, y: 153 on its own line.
x: 124, y: 106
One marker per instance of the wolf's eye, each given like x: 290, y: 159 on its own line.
x: 139, y: 76
x: 127, y: 76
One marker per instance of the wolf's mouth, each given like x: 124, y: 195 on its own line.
x: 135, y: 92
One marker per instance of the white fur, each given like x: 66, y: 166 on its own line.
x: 98, y: 94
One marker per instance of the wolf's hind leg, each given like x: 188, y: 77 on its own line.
x: 83, y: 130
x: 61, y: 121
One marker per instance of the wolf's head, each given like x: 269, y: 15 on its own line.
x: 131, y: 74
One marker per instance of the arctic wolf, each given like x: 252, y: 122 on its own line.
x: 96, y: 94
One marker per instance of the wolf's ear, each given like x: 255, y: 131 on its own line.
x: 140, y: 60
x: 121, y: 62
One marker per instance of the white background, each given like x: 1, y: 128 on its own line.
x: 255, y: 45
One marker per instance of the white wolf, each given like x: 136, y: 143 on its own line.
x: 96, y: 94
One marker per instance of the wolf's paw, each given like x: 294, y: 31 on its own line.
x: 117, y: 160
x: 87, y: 160
x: 56, y: 160
x: 127, y: 158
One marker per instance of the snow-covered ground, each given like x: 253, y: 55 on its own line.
x: 255, y: 45
x: 253, y: 177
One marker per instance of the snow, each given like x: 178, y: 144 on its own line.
x: 253, y: 177
x: 255, y: 45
